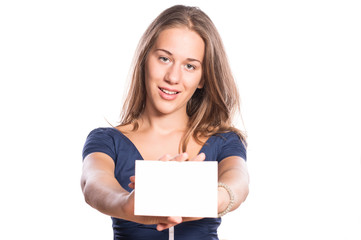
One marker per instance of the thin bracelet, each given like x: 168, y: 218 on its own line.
x: 231, y: 201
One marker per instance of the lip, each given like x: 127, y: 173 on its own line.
x: 169, y: 89
x: 167, y: 96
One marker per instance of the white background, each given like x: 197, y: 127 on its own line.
x: 63, y: 69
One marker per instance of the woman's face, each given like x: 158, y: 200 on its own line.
x: 173, y: 70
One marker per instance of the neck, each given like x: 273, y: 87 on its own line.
x: 164, y: 124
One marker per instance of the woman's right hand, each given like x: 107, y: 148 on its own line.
x: 103, y: 192
x: 162, y: 222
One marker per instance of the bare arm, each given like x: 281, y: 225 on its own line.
x: 233, y: 172
x: 103, y: 192
x: 100, y: 188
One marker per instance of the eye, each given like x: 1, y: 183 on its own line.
x: 164, y: 59
x: 190, y: 67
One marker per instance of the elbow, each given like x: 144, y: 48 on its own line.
x: 245, y: 188
x: 85, y: 189
x: 245, y: 185
x: 245, y: 192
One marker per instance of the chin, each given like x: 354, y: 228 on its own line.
x: 167, y: 110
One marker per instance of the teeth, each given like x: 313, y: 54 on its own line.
x: 168, y: 92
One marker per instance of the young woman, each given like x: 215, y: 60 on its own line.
x: 179, y: 107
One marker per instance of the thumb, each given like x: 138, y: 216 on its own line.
x: 168, y: 223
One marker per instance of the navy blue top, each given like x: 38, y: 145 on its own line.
x: 124, y: 153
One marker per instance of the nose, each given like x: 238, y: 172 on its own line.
x: 173, y: 74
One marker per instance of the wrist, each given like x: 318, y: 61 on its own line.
x: 223, y: 199
x: 226, y: 199
x: 126, y: 206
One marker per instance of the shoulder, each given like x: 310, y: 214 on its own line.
x: 107, y: 133
x: 103, y: 140
x: 229, y: 144
x: 104, y: 131
x: 227, y: 136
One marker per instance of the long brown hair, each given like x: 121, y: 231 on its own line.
x: 211, y: 108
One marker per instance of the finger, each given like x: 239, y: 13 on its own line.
x: 164, y: 226
x: 132, y: 179
x: 131, y: 185
x: 200, y: 157
x: 132, y: 182
x: 174, y: 220
x: 169, y: 222
x: 165, y: 157
x: 180, y: 157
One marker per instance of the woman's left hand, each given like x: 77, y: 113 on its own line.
x: 183, y: 157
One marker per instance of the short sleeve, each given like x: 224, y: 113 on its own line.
x: 100, y: 140
x: 232, y: 146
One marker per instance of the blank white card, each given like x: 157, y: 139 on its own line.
x: 187, y: 189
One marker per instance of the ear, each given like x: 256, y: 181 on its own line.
x: 201, y: 84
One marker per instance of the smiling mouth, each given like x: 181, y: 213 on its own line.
x: 168, y: 92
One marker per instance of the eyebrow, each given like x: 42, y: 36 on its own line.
x: 169, y: 53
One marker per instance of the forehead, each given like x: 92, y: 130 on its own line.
x: 181, y: 42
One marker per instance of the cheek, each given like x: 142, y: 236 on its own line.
x: 195, y: 81
x: 152, y: 70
